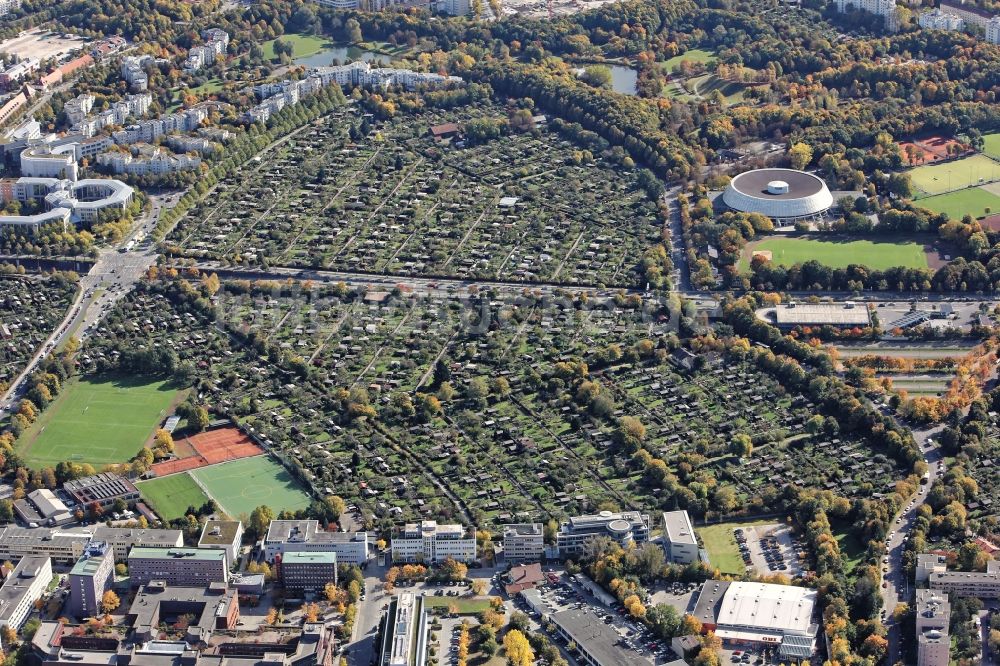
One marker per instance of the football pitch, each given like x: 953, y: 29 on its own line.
x: 975, y: 201
x: 790, y: 251
x: 240, y: 486
x: 992, y: 145
x: 170, y: 496
x: 98, y: 420
x: 951, y: 176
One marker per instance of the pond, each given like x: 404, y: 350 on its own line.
x: 624, y: 79
x: 342, y: 54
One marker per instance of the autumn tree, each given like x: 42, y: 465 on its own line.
x: 518, y: 649
x: 110, y: 601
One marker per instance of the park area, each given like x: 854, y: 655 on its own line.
x: 787, y: 251
x: 955, y: 175
x: 170, y: 496
x: 98, y: 420
x: 240, y: 486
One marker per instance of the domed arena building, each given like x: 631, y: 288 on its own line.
x: 784, y: 195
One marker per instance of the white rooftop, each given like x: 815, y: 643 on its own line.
x: 766, y: 606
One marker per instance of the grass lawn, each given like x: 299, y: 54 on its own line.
x: 721, y: 546
x: 966, y: 172
x: 98, y: 420
x: 210, y: 86
x: 170, y: 496
x: 838, y: 254
x: 465, y: 605
x: 850, y: 547
x: 992, y: 146
x: 240, y: 486
x: 304, y: 45
x: 707, y: 84
x: 694, y: 55
x: 973, y: 201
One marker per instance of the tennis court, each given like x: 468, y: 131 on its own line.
x: 240, y: 486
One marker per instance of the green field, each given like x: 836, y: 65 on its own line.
x: 838, y: 254
x: 723, y: 552
x: 304, y: 45
x: 950, y: 176
x: 694, y: 55
x: 170, y: 496
x: 210, y: 86
x: 973, y: 201
x: 240, y: 486
x: 465, y: 605
x: 98, y: 420
x: 992, y: 145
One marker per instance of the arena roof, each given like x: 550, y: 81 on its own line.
x: 782, y: 194
x: 800, y: 183
x: 766, y: 606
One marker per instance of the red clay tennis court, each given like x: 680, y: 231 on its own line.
x: 208, y: 448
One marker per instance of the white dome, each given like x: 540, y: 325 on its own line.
x: 781, y: 194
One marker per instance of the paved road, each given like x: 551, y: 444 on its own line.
x: 897, y: 587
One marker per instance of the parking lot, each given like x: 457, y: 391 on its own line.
x: 769, y: 549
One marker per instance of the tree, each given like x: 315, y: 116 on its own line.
x: 518, y: 649
x: 800, y: 155
x: 164, y: 441
x: 110, y: 601
x: 478, y: 587
x: 354, y: 591
x: 353, y: 30
x: 336, y: 506
x: 260, y: 519
x: 741, y: 445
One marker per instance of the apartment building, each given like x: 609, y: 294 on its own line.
x: 939, y: 20
x: 22, y: 588
x: 147, y: 160
x: 134, y: 72
x: 216, y: 43
x: 76, y: 109
x: 123, y: 539
x: 184, y: 567
x: 933, y: 617
x: 430, y: 542
x: 928, y: 563
x: 7, y: 6
x: 680, y: 542
x: 884, y: 8
x: 624, y: 528
x: 18, y: 72
x: 286, y: 536
x: 969, y: 583
x: 523, y: 542
x: 89, y: 579
x: 133, y: 106
x: 993, y: 30
x: 301, y: 571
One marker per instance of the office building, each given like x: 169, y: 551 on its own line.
x: 679, y: 539
x: 969, y: 583
x: 226, y: 535
x: 22, y: 588
x: 122, y: 539
x: 211, y: 607
x: 933, y: 617
x: 624, y: 528
x: 184, y: 567
x: 430, y: 542
x: 89, y: 579
x: 403, y: 632
x: 523, y: 542
x: 42, y: 507
x: 760, y: 614
x: 102, y: 489
x: 306, y: 572
x: 286, y: 536
x: 63, y: 546
x: 46, y: 162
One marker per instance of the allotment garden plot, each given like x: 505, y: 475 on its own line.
x: 521, y: 207
x: 30, y: 310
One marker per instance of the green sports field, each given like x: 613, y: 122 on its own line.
x: 973, y: 201
x: 950, y: 176
x: 98, y: 420
x: 170, y: 496
x: 789, y: 251
x: 240, y: 486
x: 992, y: 145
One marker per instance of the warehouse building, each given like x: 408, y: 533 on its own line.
x: 839, y: 315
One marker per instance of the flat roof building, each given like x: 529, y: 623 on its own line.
x: 430, y: 542
x: 760, y: 614
x: 284, y: 536
x: 89, y: 579
x: 598, y: 643
x: 403, y: 632
x: 183, y: 567
x: 969, y: 583
x: 22, y: 588
x: 307, y: 571
x: 523, y: 542
x: 928, y: 563
x: 225, y: 535
x: 102, y: 489
x: 840, y: 315
x: 212, y: 607
x: 932, y: 622
x: 123, y: 539
x: 624, y: 528
x: 679, y: 539
x: 63, y: 546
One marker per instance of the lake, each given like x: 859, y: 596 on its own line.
x: 344, y: 54
x: 624, y: 80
